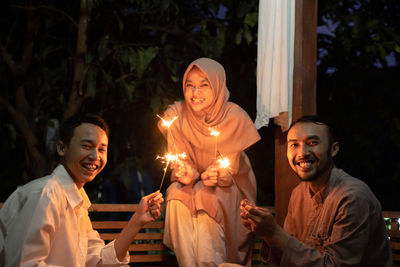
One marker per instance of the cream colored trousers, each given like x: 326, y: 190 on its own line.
x: 198, y: 241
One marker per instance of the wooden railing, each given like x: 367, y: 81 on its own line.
x: 149, y: 250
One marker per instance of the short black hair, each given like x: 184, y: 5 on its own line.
x: 68, y: 127
x: 320, y: 121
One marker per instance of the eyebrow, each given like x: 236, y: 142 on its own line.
x: 91, y: 142
x: 308, y: 138
x: 204, y: 80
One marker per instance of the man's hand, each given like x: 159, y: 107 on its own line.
x: 149, y: 207
x: 262, y: 223
x: 185, y: 173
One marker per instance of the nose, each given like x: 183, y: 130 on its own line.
x: 305, y: 149
x: 94, y: 154
x: 196, y: 90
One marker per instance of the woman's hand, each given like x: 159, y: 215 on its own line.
x: 184, y: 172
x: 210, y: 176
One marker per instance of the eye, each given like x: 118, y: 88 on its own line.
x: 86, y: 146
x: 312, y: 143
x: 102, y: 150
x: 189, y: 85
x: 293, y: 145
x: 204, y: 85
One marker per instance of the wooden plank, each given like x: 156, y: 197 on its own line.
x: 121, y: 224
x: 395, y: 245
x: 113, y: 207
x: 304, y: 98
x: 139, y: 236
x: 391, y: 214
x: 148, y: 247
x: 394, y: 233
x: 116, y: 207
x: 153, y: 258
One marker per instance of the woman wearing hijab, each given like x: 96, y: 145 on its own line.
x: 202, y: 223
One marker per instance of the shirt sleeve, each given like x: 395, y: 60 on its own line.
x: 99, y: 254
x: 344, y: 246
x: 42, y: 218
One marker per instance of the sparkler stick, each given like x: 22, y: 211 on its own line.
x: 168, y: 123
x: 169, y: 157
x: 215, y: 133
x: 224, y: 163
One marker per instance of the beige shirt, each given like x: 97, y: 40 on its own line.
x: 341, y: 225
x: 46, y: 223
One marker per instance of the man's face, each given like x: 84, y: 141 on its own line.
x: 308, y: 150
x: 86, y: 154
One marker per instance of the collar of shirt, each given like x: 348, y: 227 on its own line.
x: 74, y: 195
x: 320, y: 196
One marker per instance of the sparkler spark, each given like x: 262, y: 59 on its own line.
x: 215, y: 133
x: 168, y: 123
x: 224, y: 163
x: 167, y: 159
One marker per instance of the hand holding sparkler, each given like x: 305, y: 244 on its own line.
x: 218, y: 173
x: 184, y: 172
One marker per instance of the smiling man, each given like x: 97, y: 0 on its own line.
x: 333, y: 219
x: 46, y: 222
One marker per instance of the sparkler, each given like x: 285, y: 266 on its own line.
x: 215, y: 133
x: 225, y: 163
x: 168, y: 123
x: 167, y: 159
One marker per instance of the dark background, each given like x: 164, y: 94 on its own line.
x: 128, y: 63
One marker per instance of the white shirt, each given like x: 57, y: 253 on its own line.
x: 46, y: 223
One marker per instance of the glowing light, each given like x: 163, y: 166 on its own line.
x: 167, y: 123
x: 167, y: 159
x: 224, y: 163
x: 215, y: 133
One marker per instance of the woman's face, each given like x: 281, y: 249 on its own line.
x: 198, y: 92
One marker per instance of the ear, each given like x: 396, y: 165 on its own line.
x: 334, y: 149
x: 61, y: 148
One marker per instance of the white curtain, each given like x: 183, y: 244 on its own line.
x: 276, y: 22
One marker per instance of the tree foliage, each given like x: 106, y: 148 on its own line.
x: 358, y: 86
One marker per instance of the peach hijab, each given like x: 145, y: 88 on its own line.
x: 237, y: 131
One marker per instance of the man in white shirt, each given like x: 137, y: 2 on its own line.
x: 46, y: 222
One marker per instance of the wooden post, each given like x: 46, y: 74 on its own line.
x: 304, y: 98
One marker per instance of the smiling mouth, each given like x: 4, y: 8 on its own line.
x: 196, y: 100
x: 305, y: 164
x: 90, y: 167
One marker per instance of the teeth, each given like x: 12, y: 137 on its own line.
x: 90, y: 166
x: 197, y: 100
x: 304, y: 164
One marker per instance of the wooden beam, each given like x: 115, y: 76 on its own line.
x: 304, y: 98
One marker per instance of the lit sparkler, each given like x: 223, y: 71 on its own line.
x: 168, y: 123
x: 224, y: 163
x: 167, y: 159
x: 215, y: 133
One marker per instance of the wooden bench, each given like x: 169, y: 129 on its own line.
x: 148, y: 249
x: 392, y: 222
